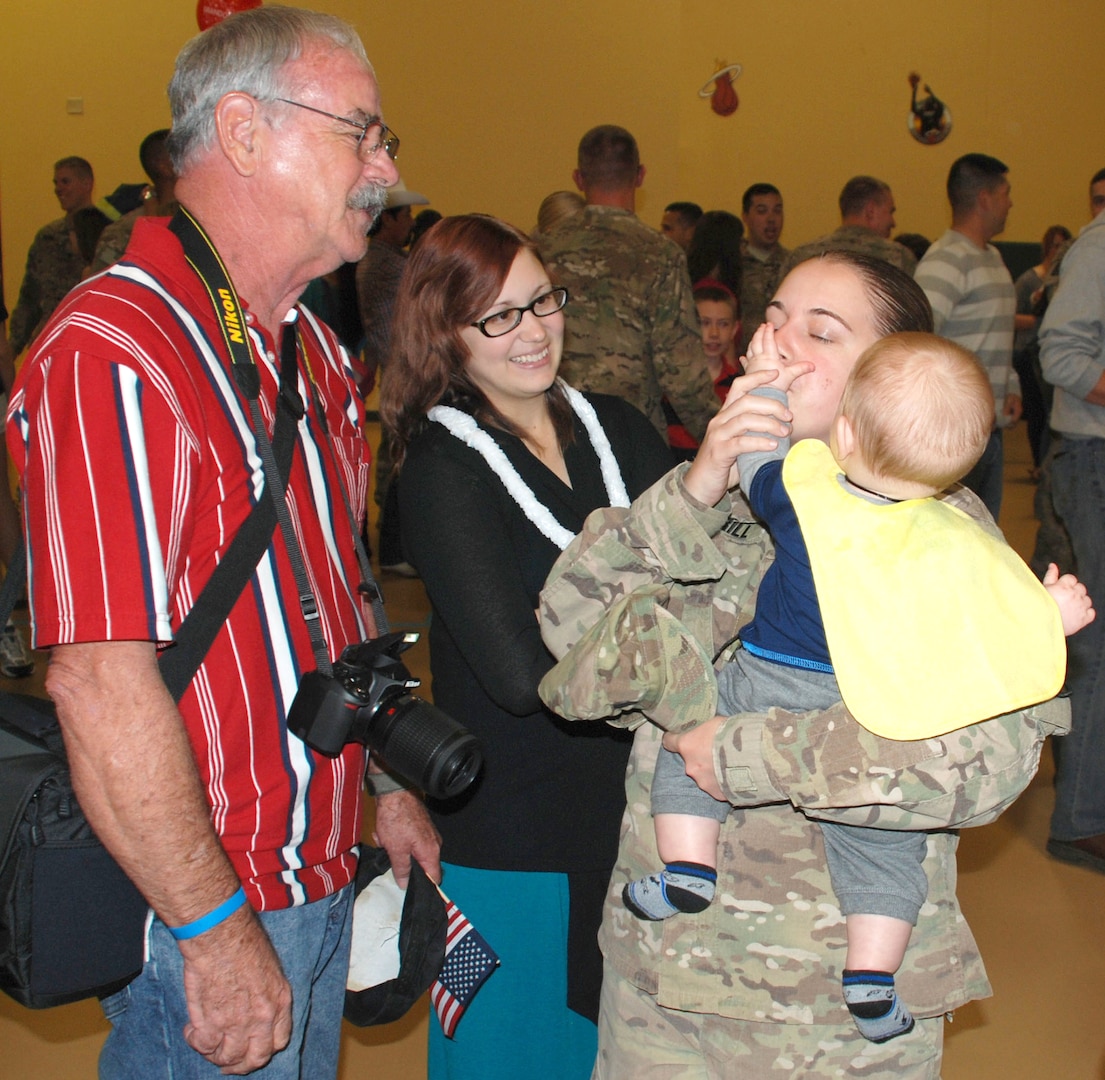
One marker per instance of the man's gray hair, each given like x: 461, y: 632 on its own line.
x: 246, y: 52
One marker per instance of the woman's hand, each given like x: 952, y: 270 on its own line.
x: 696, y: 748
x: 744, y: 424
x: 747, y: 421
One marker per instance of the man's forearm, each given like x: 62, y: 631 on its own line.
x: 135, y: 776
x: 1097, y: 395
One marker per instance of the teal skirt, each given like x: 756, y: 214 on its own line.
x: 518, y: 1023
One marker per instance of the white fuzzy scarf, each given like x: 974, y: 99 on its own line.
x: 465, y: 428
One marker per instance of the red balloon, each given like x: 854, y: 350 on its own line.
x: 724, y: 100
x: 209, y: 12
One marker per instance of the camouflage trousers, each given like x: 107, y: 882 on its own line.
x: 640, y: 1039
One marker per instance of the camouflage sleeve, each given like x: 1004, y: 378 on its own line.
x: 638, y: 605
x: 637, y: 661
x: 112, y: 244
x: 28, y: 307
x: 677, y: 355
x: 831, y: 767
x: 622, y: 550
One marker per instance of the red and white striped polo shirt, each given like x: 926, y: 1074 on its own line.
x: 139, y: 464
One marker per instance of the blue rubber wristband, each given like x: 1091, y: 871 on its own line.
x: 211, y: 919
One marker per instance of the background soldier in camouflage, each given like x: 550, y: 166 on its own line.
x: 762, y: 256
x: 866, y: 219
x: 632, y: 327
x: 159, y: 200
x: 53, y: 267
x: 679, y: 221
x: 641, y: 607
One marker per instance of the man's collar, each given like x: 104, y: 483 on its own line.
x: 380, y: 242
x: 763, y: 254
x: 599, y: 210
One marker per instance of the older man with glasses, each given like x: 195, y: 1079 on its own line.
x: 140, y: 463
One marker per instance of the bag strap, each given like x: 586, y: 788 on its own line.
x: 213, y: 606
x: 23, y: 776
x: 13, y: 583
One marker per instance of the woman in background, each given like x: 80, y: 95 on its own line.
x: 715, y: 251
x: 1036, y: 392
x: 558, y: 207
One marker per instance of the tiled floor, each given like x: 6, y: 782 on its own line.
x: 1040, y: 926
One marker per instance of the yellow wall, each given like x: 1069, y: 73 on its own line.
x: 491, y: 97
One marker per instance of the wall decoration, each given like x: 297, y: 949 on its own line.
x: 719, y: 89
x: 209, y: 12
x: 930, y: 120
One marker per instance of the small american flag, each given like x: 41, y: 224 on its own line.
x: 469, y: 960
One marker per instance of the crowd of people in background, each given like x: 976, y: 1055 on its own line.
x: 566, y: 414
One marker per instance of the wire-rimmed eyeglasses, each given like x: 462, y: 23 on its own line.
x: 387, y: 139
x: 502, y: 322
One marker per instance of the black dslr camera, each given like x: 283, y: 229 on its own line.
x: 366, y: 700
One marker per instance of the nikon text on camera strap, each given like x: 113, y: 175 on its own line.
x: 276, y: 454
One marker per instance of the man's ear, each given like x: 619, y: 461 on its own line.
x: 640, y: 176
x: 577, y: 179
x: 237, y: 124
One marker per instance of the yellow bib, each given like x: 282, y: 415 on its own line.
x: 932, y: 623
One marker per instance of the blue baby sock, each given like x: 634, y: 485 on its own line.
x: 680, y: 887
x: 875, y: 1006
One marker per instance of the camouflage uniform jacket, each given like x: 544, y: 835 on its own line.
x: 52, y: 270
x: 114, y: 239
x: 855, y: 238
x: 759, y: 280
x: 676, y: 581
x: 632, y: 328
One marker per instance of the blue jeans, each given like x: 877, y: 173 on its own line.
x: 988, y: 475
x: 1078, y: 491
x: 149, y: 1015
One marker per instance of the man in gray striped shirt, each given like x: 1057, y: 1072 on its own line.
x: 973, y: 301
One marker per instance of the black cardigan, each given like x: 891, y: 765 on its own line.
x: 552, y: 793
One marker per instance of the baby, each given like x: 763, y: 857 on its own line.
x: 877, y: 585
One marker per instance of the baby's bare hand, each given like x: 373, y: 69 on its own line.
x: 1075, y: 603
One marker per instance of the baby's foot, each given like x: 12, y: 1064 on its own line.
x: 680, y: 887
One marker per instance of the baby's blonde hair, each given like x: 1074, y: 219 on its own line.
x: 921, y: 407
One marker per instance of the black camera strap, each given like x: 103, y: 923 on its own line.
x: 369, y: 588
x: 204, y: 259
x: 209, y: 268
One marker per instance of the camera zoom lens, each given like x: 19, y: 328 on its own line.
x: 426, y: 745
